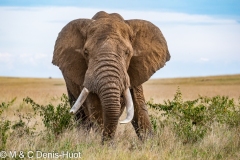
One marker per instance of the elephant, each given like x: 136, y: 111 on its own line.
x: 104, y: 62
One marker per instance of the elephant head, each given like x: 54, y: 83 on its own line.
x: 107, y: 55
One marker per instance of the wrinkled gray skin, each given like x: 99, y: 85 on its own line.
x: 107, y: 55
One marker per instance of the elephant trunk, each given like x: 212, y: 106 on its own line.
x: 107, y: 77
x: 106, y: 68
x: 110, y: 100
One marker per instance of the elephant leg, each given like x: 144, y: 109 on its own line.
x: 141, y: 121
x: 81, y: 117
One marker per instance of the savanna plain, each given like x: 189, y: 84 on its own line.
x: 192, y: 118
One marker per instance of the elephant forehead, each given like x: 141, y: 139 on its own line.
x: 107, y: 26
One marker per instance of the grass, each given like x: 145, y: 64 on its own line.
x: 221, y: 142
x: 210, y: 80
x: 162, y: 89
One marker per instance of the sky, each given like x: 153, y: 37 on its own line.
x: 203, y: 36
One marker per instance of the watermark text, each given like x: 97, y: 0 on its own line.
x: 39, y: 154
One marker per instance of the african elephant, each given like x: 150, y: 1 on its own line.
x: 104, y: 61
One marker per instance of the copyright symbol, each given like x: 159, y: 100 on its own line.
x: 3, y: 154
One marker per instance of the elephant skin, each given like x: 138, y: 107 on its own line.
x: 108, y: 55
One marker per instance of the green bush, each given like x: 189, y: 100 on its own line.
x: 4, y: 105
x: 191, y: 120
x: 22, y: 126
x: 4, y: 124
x: 55, y: 119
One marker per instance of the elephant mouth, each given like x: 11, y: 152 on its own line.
x: 128, y: 101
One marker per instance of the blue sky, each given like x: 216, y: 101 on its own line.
x: 222, y: 7
x: 203, y: 36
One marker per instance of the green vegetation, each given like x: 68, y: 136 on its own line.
x: 55, y: 119
x: 204, y: 128
x: 192, y: 120
x: 4, y: 124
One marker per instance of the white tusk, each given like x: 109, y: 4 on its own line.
x: 129, y: 107
x: 82, y: 97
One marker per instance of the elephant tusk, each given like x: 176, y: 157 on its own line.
x: 129, y: 107
x: 82, y: 97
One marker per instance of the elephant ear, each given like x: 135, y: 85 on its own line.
x: 150, y: 51
x: 66, y: 51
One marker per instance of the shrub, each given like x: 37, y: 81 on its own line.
x: 22, y: 126
x: 4, y: 105
x: 191, y: 120
x: 55, y: 119
x: 4, y: 124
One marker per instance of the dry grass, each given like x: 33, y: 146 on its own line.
x: 222, y: 143
x: 41, y: 90
x: 162, y: 89
x: 164, y: 145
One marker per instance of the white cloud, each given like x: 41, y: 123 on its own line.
x: 6, y: 60
x: 24, y: 59
x: 176, y: 18
x: 204, y: 59
x: 65, y: 14
x: 5, y: 57
x: 28, y: 34
x: 33, y: 59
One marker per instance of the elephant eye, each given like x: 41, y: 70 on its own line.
x: 85, y: 52
x: 127, y: 52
